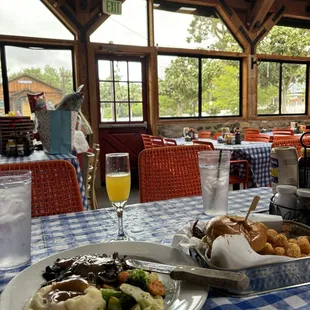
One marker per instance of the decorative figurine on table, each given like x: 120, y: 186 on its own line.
x: 190, y: 135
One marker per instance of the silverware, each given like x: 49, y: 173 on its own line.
x: 197, y: 275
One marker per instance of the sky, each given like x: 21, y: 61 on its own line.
x: 32, y: 18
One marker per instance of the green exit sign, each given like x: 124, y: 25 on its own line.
x: 112, y: 7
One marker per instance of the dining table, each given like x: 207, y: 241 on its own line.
x: 256, y: 153
x: 155, y: 222
x: 42, y: 156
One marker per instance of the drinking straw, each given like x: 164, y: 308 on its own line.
x: 219, y: 164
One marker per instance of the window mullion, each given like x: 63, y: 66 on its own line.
x: 199, y: 87
x: 5, y: 81
x: 280, y: 89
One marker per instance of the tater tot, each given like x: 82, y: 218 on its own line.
x: 293, y: 250
x: 271, y: 234
x: 279, y: 251
x: 280, y: 241
x: 292, y: 240
x: 267, y: 250
x: 304, y: 245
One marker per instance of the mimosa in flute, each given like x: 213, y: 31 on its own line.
x: 118, y: 185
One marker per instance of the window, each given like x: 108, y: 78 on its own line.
x: 290, y: 41
x: 130, y: 28
x: 36, y: 70
x: 186, y: 26
x: 31, y: 18
x: 281, y: 88
x: 198, y: 87
x: 121, y: 90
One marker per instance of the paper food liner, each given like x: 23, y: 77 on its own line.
x: 230, y: 251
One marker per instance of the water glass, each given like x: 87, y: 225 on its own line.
x: 214, y: 169
x: 15, y: 218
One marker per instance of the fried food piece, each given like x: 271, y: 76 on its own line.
x: 293, y: 250
x: 279, y: 251
x: 303, y: 244
x: 292, y: 240
x: 271, y: 234
x: 280, y: 241
x: 267, y: 250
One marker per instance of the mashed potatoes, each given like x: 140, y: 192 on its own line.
x: 90, y: 300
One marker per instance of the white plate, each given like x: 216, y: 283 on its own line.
x: 188, y: 297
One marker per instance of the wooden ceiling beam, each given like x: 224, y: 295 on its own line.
x: 54, y: 7
x: 258, y: 14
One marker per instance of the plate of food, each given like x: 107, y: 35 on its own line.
x: 94, y: 277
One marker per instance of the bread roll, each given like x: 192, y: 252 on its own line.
x: 254, y: 232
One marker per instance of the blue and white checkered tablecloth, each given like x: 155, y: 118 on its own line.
x: 155, y: 222
x: 256, y: 153
x: 42, y: 156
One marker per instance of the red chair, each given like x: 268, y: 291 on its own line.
x: 204, y: 134
x: 157, y: 141
x: 146, y: 141
x: 216, y: 135
x: 282, y: 131
x: 169, y: 172
x: 54, y: 189
x: 257, y: 137
x: 209, y: 144
x: 250, y: 131
x: 170, y: 142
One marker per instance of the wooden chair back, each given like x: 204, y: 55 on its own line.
x: 169, y: 172
x: 54, y: 189
x: 93, y: 197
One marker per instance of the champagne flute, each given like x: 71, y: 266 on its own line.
x: 118, y: 185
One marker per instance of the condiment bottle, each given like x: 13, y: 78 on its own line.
x: 303, y: 199
x: 237, y: 137
x: 284, y: 166
x: 286, y: 196
x: 304, y: 169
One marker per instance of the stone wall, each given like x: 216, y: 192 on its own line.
x: 175, y: 130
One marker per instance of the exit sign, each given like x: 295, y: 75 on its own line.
x: 112, y: 7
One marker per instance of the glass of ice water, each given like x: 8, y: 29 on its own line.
x: 214, y: 177
x: 15, y: 218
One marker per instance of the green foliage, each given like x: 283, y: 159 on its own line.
x: 107, y: 90
x: 178, y: 92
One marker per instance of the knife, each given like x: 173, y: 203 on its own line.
x: 196, y: 275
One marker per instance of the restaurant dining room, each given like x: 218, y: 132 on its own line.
x: 154, y: 154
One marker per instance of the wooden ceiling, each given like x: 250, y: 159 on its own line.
x: 252, y: 18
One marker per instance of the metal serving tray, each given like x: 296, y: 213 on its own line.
x: 271, y: 277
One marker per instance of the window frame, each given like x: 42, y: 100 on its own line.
x: 199, y: 90
x: 45, y: 46
x: 281, y: 62
x: 142, y: 61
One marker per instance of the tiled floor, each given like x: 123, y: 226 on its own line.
x: 103, y: 200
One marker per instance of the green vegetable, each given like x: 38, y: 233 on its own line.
x: 107, y: 293
x: 114, y: 304
x: 140, y: 278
